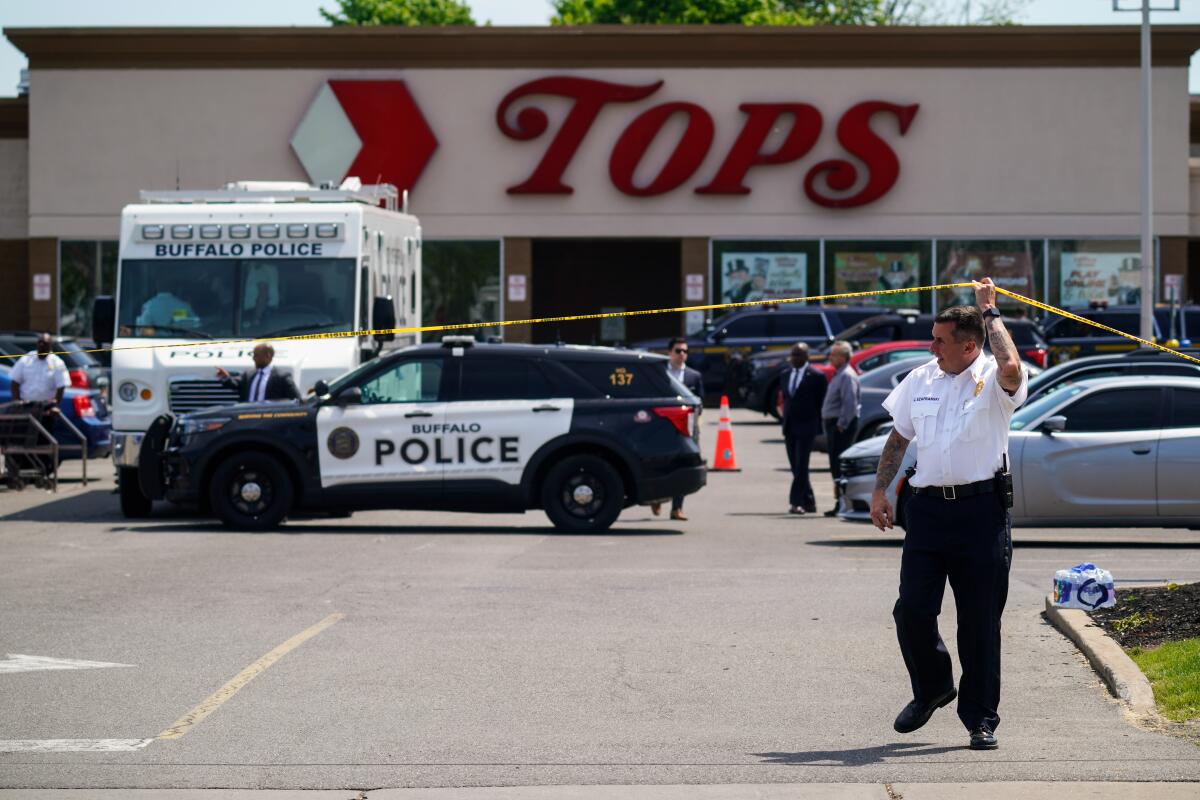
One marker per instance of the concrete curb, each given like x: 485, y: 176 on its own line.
x: 1125, y: 680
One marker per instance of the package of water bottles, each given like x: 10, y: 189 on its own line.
x: 1084, y: 586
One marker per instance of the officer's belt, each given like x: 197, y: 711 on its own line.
x: 957, y: 492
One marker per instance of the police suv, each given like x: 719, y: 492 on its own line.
x: 580, y: 432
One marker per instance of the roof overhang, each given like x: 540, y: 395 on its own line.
x: 600, y: 46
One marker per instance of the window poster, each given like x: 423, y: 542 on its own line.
x: 746, y: 277
x: 1008, y: 270
x: 1115, y: 278
x: 864, y: 272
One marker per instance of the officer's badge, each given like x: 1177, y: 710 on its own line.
x: 978, y: 388
x: 342, y: 442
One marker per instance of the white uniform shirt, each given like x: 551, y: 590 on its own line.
x: 959, y: 422
x: 40, y: 378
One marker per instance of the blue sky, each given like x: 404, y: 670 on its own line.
x: 159, y: 13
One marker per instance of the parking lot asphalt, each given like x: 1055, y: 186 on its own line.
x: 414, y: 649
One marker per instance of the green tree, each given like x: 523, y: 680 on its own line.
x: 786, y: 12
x: 718, y: 12
x: 399, y: 12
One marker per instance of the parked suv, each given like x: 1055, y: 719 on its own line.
x: 1070, y: 338
x: 580, y: 432
x: 85, y: 371
x: 718, y: 349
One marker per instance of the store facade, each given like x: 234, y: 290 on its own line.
x: 560, y: 171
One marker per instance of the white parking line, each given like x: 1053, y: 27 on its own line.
x: 72, y: 745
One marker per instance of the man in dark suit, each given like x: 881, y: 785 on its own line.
x: 264, y: 383
x: 677, y: 368
x: 804, y: 392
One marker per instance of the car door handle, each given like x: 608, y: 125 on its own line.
x: 1141, y: 451
x: 536, y: 409
x: 418, y: 414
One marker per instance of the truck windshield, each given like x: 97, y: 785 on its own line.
x: 228, y: 298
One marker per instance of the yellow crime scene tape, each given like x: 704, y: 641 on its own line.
x: 645, y: 312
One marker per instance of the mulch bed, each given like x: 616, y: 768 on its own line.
x: 1149, y: 617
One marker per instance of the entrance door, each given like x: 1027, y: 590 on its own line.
x: 584, y: 276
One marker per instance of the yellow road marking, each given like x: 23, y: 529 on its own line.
x: 194, y: 717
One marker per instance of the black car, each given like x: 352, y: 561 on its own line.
x: 1069, y: 338
x: 86, y: 372
x: 1143, y: 361
x: 718, y: 350
x: 581, y: 432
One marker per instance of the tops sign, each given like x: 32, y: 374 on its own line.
x: 591, y: 96
x: 375, y: 130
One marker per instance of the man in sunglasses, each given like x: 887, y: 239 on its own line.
x: 677, y: 368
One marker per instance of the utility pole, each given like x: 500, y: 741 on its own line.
x: 1147, y: 232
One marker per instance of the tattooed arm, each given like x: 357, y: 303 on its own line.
x: 1008, y: 363
x: 882, y: 513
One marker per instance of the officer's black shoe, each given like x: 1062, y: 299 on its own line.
x: 916, y: 713
x: 982, y: 738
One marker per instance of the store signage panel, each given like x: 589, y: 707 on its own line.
x: 833, y: 183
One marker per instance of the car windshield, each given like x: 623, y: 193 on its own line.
x: 1026, y: 415
x: 227, y: 298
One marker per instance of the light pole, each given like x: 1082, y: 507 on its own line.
x: 1147, y: 321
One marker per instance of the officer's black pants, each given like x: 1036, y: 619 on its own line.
x: 969, y: 542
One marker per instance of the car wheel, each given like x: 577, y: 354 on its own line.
x: 251, y: 492
x: 775, y: 406
x: 134, y: 504
x: 583, y: 494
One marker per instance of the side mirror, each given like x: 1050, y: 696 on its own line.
x: 348, y: 397
x: 1055, y: 424
x: 383, y: 315
x: 104, y: 320
x: 720, y: 335
x: 320, y: 388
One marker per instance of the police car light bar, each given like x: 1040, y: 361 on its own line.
x: 458, y: 341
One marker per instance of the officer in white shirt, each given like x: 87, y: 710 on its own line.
x: 957, y: 409
x: 40, y: 375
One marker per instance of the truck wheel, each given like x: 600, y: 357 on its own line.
x: 251, y: 492
x: 134, y: 504
x: 583, y: 494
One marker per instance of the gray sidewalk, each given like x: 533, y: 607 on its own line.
x: 1026, y: 790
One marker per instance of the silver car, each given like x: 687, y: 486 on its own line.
x: 1103, y: 452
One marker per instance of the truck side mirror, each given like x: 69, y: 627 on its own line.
x: 104, y: 320
x: 383, y: 315
x: 320, y: 388
x: 350, y: 396
x: 720, y: 335
x: 1055, y: 424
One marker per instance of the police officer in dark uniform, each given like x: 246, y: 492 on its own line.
x: 957, y: 409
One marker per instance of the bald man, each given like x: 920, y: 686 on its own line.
x: 264, y: 382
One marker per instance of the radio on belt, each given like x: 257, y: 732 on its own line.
x: 458, y: 425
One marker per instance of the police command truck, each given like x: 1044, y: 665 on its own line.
x: 251, y: 260
x: 580, y: 432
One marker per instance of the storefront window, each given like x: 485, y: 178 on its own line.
x: 460, y: 283
x: 87, y: 269
x: 870, y: 265
x: 1013, y: 264
x: 752, y: 270
x: 1083, y: 272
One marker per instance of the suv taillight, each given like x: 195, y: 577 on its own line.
x: 83, y: 406
x: 1037, y: 355
x: 679, y: 416
x: 79, y: 378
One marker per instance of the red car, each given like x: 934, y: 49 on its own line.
x: 877, y: 355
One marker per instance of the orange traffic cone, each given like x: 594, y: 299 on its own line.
x: 724, y: 460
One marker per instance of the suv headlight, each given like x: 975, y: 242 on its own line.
x: 194, y: 427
